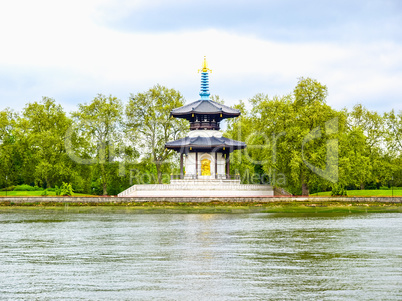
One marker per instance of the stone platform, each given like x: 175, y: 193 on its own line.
x: 199, y: 188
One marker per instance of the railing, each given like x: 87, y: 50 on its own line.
x: 176, y: 177
x: 128, y: 191
x: 210, y: 125
x: 195, y: 177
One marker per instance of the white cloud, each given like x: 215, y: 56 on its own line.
x: 59, y: 44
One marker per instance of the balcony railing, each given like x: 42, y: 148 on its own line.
x: 209, y: 125
x: 195, y: 177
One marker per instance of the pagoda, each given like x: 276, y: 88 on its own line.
x: 204, y: 156
x: 206, y: 151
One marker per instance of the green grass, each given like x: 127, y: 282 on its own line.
x: 365, y: 193
x: 33, y: 193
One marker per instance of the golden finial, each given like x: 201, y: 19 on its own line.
x: 205, y: 66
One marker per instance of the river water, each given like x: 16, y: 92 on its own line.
x: 109, y: 256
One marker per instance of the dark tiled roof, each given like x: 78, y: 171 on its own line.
x: 206, y: 142
x: 205, y: 107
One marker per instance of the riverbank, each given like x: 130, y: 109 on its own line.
x: 205, y: 205
x: 190, y: 199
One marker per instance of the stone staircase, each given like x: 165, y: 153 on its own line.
x: 188, y: 188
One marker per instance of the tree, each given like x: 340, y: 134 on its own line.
x: 98, y: 133
x: 8, y: 154
x: 304, y: 130
x: 310, y: 116
x: 369, y: 158
x: 393, y: 139
x: 150, y: 124
x: 293, y: 138
x: 247, y: 162
x: 393, y: 133
x: 40, y: 140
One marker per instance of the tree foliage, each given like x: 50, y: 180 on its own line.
x: 150, y: 125
x: 295, y: 141
x: 99, y: 126
x: 303, y: 144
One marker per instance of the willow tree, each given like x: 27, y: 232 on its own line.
x: 294, y: 137
x: 313, y: 135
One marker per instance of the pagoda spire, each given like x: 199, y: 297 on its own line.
x: 204, y: 92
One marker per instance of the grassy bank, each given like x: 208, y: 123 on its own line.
x: 32, y: 193
x: 365, y: 193
x: 210, y: 207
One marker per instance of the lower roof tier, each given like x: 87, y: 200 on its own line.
x: 205, y: 144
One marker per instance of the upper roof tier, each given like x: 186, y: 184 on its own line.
x: 205, y: 107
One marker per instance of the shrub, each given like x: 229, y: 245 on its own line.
x: 66, y: 189
x: 24, y: 187
x: 96, y: 188
x: 57, y: 190
x: 10, y: 188
x: 339, y: 190
x: 44, y: 193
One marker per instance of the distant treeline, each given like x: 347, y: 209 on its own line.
x: 295, y: 141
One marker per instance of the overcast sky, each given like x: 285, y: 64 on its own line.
x: 72, y: 50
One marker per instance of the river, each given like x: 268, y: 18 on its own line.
x: 48, y: 255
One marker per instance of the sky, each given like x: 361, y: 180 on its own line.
x: 72, y: 50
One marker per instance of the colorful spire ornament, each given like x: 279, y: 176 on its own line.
x: 204, y: 92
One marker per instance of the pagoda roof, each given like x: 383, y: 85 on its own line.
x: 205, y: 106
x: 206, y: 143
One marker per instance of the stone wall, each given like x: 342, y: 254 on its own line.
x: 103, y: 200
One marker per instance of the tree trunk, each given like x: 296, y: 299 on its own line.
x: 305, y: 190
x: 104, y: 188
x: 158, y: 172
x: 361, y: 186
x: 104, y: 179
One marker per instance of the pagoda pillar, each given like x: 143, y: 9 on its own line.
x: 227, y: 165
x: 216, y: 165
x: 196, y: 165
x: 181, y: 166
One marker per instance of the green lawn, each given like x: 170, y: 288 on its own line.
x: 365, y: 193
x: 33, y: 193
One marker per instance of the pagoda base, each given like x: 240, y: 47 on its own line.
x: 199, y: 188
